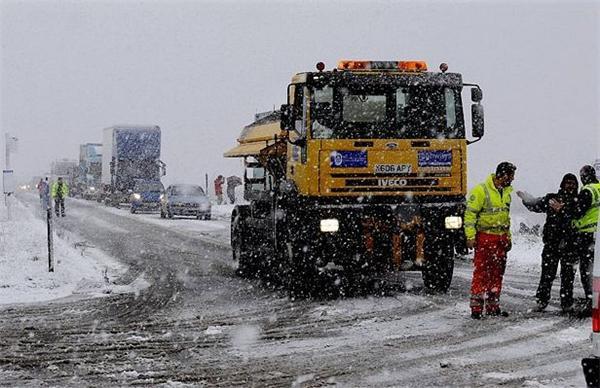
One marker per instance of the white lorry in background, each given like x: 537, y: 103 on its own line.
x: 90, y: 170
x: 591, y: 364
x: 131, y: 166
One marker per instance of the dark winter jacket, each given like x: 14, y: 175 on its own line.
x: 558, y: 225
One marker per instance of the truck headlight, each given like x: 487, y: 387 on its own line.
x: 137, y: 196
x: 453, y: 222
x: 330, y: 225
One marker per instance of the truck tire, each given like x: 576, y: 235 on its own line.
x: 299, y: 257
x: 300, y: 274
x: 241, y: 246
x: 439, y: 267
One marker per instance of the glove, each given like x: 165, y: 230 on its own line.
x: 470, y: 244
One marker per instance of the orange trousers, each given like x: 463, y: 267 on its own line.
x: 489, y: 265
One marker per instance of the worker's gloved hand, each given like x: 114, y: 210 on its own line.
x: 527, y: 198
x: 470, y: 244
x: 556, y: 205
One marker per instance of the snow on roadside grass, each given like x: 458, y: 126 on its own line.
x: 24, y: 275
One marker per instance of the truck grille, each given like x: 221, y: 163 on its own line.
x: 389, y: 189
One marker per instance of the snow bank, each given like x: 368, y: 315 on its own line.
x: 79, y: 268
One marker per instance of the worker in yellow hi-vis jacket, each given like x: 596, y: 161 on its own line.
x: 487, y: 230
x: 59, y: 192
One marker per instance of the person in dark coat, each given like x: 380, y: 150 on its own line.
x: 44, y: 190
x: 558, y: 237
x: 219, y: 188
x: 232, y: 182
x: 586, y: 213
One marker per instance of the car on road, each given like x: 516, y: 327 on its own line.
x: 146, y: 195
x: 91, y: 193
x: 185, y: 200
x: 591, y: 364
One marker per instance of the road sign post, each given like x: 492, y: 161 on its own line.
x: 50, y: 239
x: 8, y: 187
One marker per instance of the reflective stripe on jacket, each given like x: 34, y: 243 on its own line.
x: 487, y: 210
x: 63, y: 192
x: 589, y: 222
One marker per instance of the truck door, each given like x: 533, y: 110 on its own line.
x: 299, y: 169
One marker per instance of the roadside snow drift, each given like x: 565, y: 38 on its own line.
x: 78, y: 267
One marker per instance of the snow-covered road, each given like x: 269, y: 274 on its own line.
x: 197, y: 324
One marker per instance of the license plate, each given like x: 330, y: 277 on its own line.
x: 393, y: 168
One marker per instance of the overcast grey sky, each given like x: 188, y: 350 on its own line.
x: 201, y: 70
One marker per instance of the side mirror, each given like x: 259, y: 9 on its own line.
x: 477, y: 120
x: 287, y: 118
x: 476, y: 94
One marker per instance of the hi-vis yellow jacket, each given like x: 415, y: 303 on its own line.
x: 487, y: 210
x: 588, y: 223
x: 61, y: 192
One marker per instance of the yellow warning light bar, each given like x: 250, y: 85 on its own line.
x: 382, y: 65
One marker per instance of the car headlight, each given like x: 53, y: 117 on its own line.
x: 92, y: 188
x: 137, y: 196
x: 161, y: 197
x: 330, y: 225
x: 453, y: 222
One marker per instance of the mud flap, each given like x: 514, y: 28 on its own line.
x: 591, y: 371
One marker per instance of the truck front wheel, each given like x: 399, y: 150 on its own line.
x: 439, y: 266
x: 300, y: 255
x: 241, y: 247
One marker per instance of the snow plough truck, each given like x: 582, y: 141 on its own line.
x: 363, y: 171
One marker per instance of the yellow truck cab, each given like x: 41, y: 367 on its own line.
x: 363, y: 170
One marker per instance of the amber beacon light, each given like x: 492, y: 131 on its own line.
x: 382, y: 65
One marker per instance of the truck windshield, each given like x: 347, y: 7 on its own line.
x: 415, y: 112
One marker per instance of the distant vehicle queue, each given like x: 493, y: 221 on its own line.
x: 125, y: 170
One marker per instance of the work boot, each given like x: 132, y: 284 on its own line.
x: 498, y: 313
x: 586, y: 311
x: 540, y: 306
x: 567, y: 310
x: 475, y: 315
